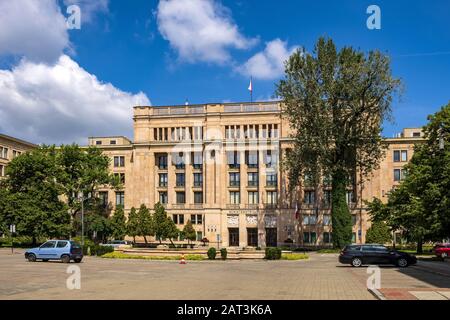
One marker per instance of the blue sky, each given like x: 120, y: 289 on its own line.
x: 144, y: 51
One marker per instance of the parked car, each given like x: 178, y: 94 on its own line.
x: 358, y: 255
x: 116, y: 243
x: 442, y: 250
x: 64, y: 250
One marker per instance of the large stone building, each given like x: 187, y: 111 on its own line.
x: 218, y: 165
x: 10, y: 148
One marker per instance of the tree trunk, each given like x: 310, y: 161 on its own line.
x: 340, y: 213
x: 420, y: 246
x: 145, y: 239
x: 34, y: 241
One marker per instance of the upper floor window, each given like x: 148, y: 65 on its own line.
x: 181, y: 197
x: 309, y: 197
x: 4, y: 152
x: 120, y: 177
x: 196, y: 219
x: 113, y: 142
x: 180, y: 179
x: 271, y: 179
x: 233, y: 159
x: 161, y: 162
x: 234, y: 179
x: 16, y: 153
x: 399, y: 174
x: 253, y: 179
x: 163, y: 197
x: 98, y: 142
x: 119, y: 161
x: 271, y: 197
x: 400, y: 155
x: 163, y: 179
x: 251, y: 159
x: 178, y: 160
x: 198, y: 179
x: 197, y: 160
x: 235, y: 197
x: 198, y: 197
x: 120, y: 198
x: 253, y: 197
x: 103, y: 197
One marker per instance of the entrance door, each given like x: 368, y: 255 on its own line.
x: 233, y: 237
x: 252, y: 237
x: 271, y: 237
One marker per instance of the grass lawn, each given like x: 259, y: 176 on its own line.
x: 329, y: 250
x: 294, y: 256
x: 119, y: 255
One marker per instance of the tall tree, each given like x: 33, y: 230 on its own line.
x: 189, y: 231
x: 336, y: 102
x: 118, y: 224
x: 164, y: 227
x: 145, y: 223
x: 133, y: 224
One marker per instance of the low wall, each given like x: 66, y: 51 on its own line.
x: 232, y: 254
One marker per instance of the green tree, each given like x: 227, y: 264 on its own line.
x: 164, y: 227
x: 98, y: 226
x: 118, y: 224
x: 133, y: 224
x: 336, y: 102
x: 378, y: 233
x: 172, y: 230
x: 31, y: 196
x: 145, y: 223
x: 189, y: 231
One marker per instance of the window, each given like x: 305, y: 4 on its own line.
x: 253, y: 197
x: 326, y: 237
x: 400, y: 155
x: 199, y: 235
x: 271, y: 197
x: 103, y: 196
x: 416, y: 134
x: 253, y: 179
x: 162, y: 162
x: 327, y: 197
x: 61, y: 244
x: 198, y: 179
x: 196, y: 218
x: 235, y: 179
x: 120, y: 177
x: 3, y: 152
x: 233, y: 159
x: 327, y: 220
x: 350, y: 197
x: 178, y: 218
x: 198, y: 197
x: 2, y: 171
x: 48, y: 244
x: 399, y: 174
x: 235, y: 197
x: 309, y: 237
x: 251, y: 159
x: 271, y: 158
x: 113, y: 142
x: 197, y: 160
x: 16, y: 153
x: 354, y: 237
x: 181, y: 197
x: 163, y: 179
x: 309, y: 220
x: 119, y: 161
x: 180, y: 179
x: 309, y: 197
x: 120, y: 198
x: 271, y: 179
x: 163, y: 197
x: 178, y: 160
x: 98, y: 142
x: 353, y: 219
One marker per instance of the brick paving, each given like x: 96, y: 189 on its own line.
x: 321, y: 277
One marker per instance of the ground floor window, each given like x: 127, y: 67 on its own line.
x: 199, y: 235
x: 271, y: 237
x: 309, y: 237
x: 326, y: 237
x: 120, y: 198
x: 353, y: 237
x: 252, y: 237
x: 233, y: 237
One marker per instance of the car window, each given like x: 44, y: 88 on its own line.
x: 368, y: 248
x: 61, y: 244
x: 75, y: 245
x: 49, y: 244
x: 354, y: 248
x: 380, y: 249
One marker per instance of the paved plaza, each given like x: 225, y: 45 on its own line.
x: 320, y: 277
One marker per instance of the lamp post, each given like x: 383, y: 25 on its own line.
x: 81, y: 197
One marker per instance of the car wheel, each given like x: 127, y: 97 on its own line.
x: 443, y: 255
x: 356, y: 262
x: 65, y: 259
x: 77, y: 260
x: 45, y: 260
x: 402, y: 262
x: 31, y: 257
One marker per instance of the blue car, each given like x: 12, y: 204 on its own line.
x: 64, y: 250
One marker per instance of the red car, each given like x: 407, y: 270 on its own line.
x: 442, y: 250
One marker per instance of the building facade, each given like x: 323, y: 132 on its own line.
x: 9, y: 149
x: 219, y: 165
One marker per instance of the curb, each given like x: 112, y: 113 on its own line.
x: 377, y: 294
x: 431, y: 271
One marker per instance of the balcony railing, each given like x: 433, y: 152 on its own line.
x: 162, y: 184
x: 198, y: 184
x: 234, y: 184
x: 162, y: 166
x: 252, y: 206
x: 270, y: 205
x: 197, y: 166
x: 234, y: 165
x: 252, y: 184
x: 196, y: 206
x: 178, y: 205
x: 180, y: 166
x: 180, y: 184
x: 271, y: 183
x: 233, y: 206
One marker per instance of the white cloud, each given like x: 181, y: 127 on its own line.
x: 200, y: 30
x: 35, y: 29
x: 269, y: 63
x: 62, y: 103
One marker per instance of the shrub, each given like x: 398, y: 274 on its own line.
x: 223, y: 253
x: 101, y: 250
x: 119, y: 255
x: 273, y: 253
x: 211, y: 253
